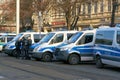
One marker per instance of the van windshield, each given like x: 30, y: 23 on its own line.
x: 17, y: 37
x: 46, y: 38
x: 75, y: 37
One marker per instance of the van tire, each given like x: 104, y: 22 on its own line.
x: 73, y: 59
x: 14, y: 53
x: 99, y: 63
x: 9, y: 54
x: 36, y: 59
x: 47, y: 57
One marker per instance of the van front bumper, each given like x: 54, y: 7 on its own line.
x: 62, y: 55
x: 36, y: 55
x: 7, y: 51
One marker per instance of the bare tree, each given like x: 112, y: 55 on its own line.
x: 40, y: 7
x: 72, y: 10
x: 69, y: 9
x: 9, y: 11
x: 26, y: 14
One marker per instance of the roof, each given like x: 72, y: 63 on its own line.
x: 32, y: 33
x: 64, y: 31
x: 109, y: 28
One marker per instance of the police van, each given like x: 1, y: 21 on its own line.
x: 107, y: 47
x: 78, y: 48
x: 5, y: 37
x: 47, y: 45
x: 9, y: 48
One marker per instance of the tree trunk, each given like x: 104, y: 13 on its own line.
x: 73, y: 26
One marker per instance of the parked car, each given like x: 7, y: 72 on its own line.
x: 78, y: 48
x: 47, y: 45
x: 107, y: 47
x: 5, y: 37
x: 9, y: 48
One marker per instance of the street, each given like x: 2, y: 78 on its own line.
x: 16, y: 69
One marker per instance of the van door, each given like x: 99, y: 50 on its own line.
x: 58, y: 39
x: 117, y: 54
x: 85, y: 46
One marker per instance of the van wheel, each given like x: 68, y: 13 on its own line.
x: 47, y: 57
x: 14, y: 53
x: 37, y: 59
x: 9, y: 54
x: 73, y: 59
x: 99, y: 63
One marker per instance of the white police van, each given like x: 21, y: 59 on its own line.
x: 9, y: 48
x: 78, y: 48
x: 47, y: 45
x: 5, y: 37
x: 107, y: 47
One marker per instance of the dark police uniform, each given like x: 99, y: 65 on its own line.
x: 18, y: 46
x: 26, y: 43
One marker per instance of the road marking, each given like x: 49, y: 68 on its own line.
x: 27, y: 65
x: 82, y: 79
x: 1, y: 77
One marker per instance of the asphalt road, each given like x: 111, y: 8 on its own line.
x: 16, y: 69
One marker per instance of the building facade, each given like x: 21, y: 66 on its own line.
x: 92, y: 13
x: 5, y: 24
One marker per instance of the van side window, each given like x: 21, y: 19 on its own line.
x: 10, y: 37
x: 104, y: 37
x: 87, y: 38
x: 118, y: 37
x: 99, y: 37
x: 69, y: 35
x: 38, y: 37
x: 26, y: 35
x: 2, y: 39
x: 58, y: 38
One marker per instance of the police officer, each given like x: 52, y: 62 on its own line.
x: 29, y: 44
x: 18, y: 46
x: 26, y: 44
x: 23, y: 48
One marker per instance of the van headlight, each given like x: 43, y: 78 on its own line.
x: 7, y: 47
x: 35, y: 49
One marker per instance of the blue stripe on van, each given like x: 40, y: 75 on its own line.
x: 110, y: 47
x: 84, y: 50
x: 52, y: 48
x: 108, y: 52
x: 113, y: 58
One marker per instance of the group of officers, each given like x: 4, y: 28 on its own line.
x: 22, y: 47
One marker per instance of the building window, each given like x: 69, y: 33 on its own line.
x: 95, y: 7
x: 83, y: 8
x: 89, y: 8
x: 78, y: 11
x: 109, y: 5
x: 101, y: 6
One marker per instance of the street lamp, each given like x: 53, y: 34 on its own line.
x: 40, y: 22
x: 17, y: 16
